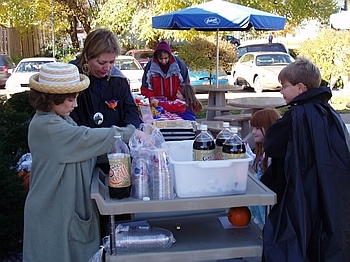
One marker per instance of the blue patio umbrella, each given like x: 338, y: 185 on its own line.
x: 219, y: 15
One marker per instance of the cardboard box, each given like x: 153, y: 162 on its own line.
x: 206, y: 178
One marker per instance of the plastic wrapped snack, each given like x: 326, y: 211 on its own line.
x: 146, y: 138
x: 141, y: 239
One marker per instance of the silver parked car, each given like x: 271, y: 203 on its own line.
x: 19, y: 79
x: 132, y: 70
x: 260, y: 70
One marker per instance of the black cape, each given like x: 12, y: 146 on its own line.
x: 310, y: 173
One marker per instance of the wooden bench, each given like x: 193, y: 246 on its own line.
x: 220, y: 108
x: 241, y: 119
x: 212, y: 111
x: 224, y: 110
x: 234, y: 118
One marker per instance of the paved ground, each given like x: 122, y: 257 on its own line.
x: 346, y: 118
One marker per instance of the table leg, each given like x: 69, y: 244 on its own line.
x: 215, y: 99
x: 245, y: 131
x: 268, y: 210
x: 112, y: 243
x: 245, y: 128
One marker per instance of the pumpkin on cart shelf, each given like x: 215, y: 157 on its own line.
x: 239, y: 216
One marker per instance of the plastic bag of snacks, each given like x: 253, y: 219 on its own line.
x: 146, y: 110
x: 146, y: 138
x: 131, y: 239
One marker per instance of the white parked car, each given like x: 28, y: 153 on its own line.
x: 260, y: 70
x: 132, y: 70
x: 19, y: 79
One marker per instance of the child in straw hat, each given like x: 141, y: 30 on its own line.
x: 61, y: 222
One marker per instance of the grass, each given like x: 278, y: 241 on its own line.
x: 339, y: 101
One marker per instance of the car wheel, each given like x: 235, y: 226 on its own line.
x: 257, y: 85
x: 234, y: 79
x: 240, y: 83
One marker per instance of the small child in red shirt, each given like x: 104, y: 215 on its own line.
x: 186, y: 105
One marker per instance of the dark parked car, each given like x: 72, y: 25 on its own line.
x: 6, y: 67
x: 264, y: 47
x: 233, y: 40
x: 141, y: 55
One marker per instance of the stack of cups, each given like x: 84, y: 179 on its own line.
x: 162, y: 175
x: 140, y: 179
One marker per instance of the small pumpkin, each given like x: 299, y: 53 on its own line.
x: 239, y: 216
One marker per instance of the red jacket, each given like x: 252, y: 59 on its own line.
x: 156, y: 83
x: 176, y: 106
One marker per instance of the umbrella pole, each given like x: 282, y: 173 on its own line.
x: 217, y: 58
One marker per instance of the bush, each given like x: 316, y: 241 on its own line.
x: 200, y: 53
x: 15, y: 115
x: 12, y: 197
x: 330, y: 51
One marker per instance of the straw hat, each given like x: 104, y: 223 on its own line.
x: 59, y: 78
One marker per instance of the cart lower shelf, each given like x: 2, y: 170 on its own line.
x: 200, y: 237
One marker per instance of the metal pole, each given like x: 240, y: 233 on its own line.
x: 53, y: 29
x: 217, y: 59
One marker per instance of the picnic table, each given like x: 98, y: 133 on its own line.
x: 257, y: 103
x: 216, y: 99
x: 253, y: 103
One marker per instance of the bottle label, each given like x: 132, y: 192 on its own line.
x: 219, y: 149
x: 232, y: 156
x: 203, y: 155
x: 119, y: 173
x: 218, y: 155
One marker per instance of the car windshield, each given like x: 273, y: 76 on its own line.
x: 30, y: 66
x: 273, y: 60
x: 127, y: 64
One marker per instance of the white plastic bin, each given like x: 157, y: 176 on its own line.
x: 206, y: 178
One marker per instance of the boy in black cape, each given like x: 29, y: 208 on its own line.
x: 310, y: 173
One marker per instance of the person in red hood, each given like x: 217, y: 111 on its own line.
x: 164, y: 73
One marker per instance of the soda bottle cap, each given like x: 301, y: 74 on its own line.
x: 225, y: 124
x: 204, y: 127
x: 234, y: 130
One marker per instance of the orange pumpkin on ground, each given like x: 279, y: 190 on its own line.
x: 239, y: 216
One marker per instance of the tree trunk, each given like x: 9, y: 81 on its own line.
x: 80, y: 12
x: 73, y: 31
